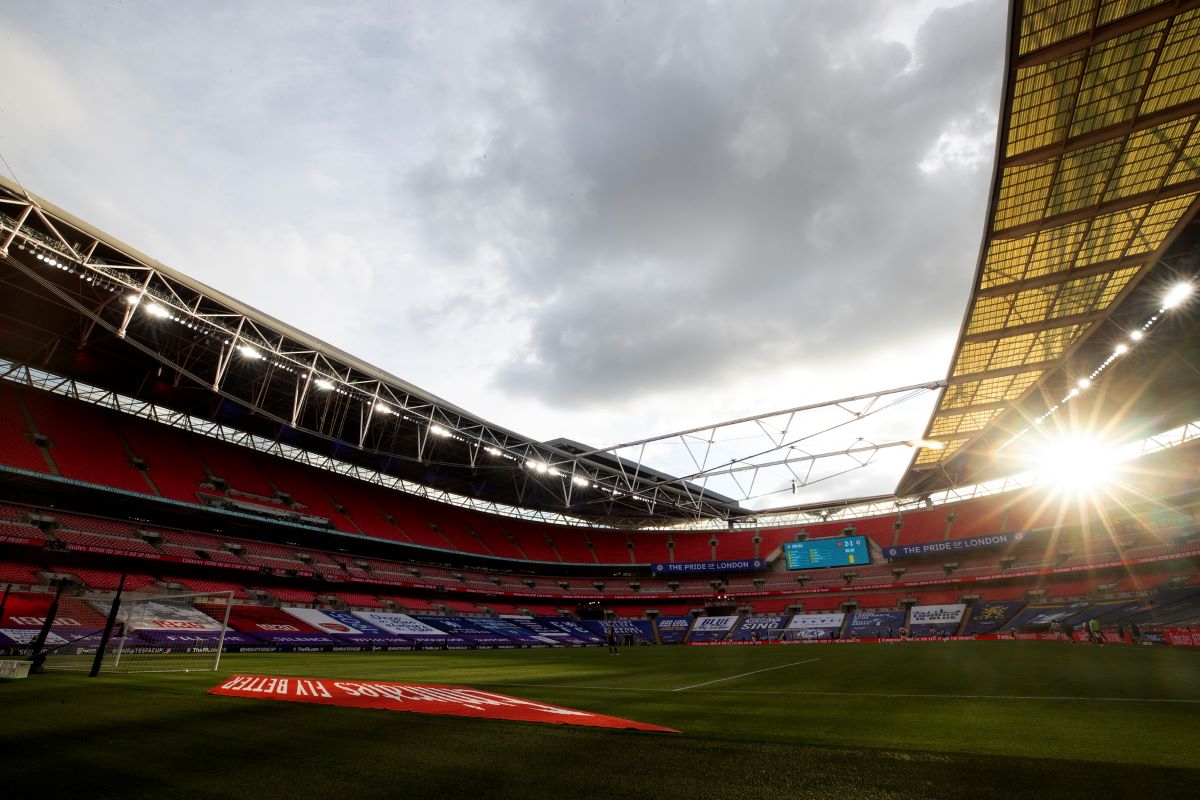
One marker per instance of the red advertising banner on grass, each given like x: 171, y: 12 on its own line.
x: 454, y: 701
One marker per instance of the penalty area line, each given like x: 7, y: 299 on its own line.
x: 744, y: 674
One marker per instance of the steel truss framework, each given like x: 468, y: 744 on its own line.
x: 773, y: 450
x: 40, y: 379
x: 1183, y: 434
x: 210, y: 340
x: 207, y: 339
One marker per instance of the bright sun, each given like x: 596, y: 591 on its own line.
x: 1077, y: 465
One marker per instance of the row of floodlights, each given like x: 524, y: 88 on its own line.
x: 156, y: 310
x: 160, y: 311
x: 1176, y: 296
x: 56, y: 260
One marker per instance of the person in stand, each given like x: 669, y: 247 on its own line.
x: 612, y: 640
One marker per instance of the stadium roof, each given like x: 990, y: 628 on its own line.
x: 1097, y: 173
x: 84, y: 305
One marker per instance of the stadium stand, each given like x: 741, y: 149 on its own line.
x: 171, y: 465
x: 85, y: 448
x: 16, y: 437
x: 1093, y: 560
x: 610, y: 546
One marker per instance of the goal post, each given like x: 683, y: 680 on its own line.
x: 174, y: 632
x: 170, y: 633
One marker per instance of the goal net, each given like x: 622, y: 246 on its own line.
x: 153, y: 633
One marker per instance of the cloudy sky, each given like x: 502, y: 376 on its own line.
x: 603, y: 220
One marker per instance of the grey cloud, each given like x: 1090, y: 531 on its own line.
x: 675, y: 195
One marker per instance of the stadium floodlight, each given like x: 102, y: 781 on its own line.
x: 1136, y: 336
x: 1177, y: 294
x: 438, y: 430
x: 1083, y: 383
x: 323, y: 384
x: 492, y: 451
x: 383, y: 408
x: 249, y: 352
x: 540, y: 467
x: 133, y: 299
x: 155, y: 310
x: 579, y: 480
x: 1121, y: 349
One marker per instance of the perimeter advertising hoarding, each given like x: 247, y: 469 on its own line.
x: 843, y: 551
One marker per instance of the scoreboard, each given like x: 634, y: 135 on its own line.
x: 816, y: 553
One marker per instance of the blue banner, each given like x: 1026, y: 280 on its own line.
x: 759, y: 628
x: 989, y: 617
x: 744, y: 565
x: 876, y: 624
x: 351, y: 621
x: 952, y: 545
x: 671, y: 630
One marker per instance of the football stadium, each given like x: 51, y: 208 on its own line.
x: 239, y: 562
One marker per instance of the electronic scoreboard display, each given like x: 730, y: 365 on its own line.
x: 843, y: 551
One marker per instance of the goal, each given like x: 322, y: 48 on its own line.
x: 152, y: 633
x: 170, y: 633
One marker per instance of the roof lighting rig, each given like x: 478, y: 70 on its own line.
x: 234, y: 364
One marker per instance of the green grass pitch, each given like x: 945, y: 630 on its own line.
x: 923, y: 720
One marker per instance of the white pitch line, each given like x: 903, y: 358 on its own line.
x: 744, y: 674
x: 884, y: 695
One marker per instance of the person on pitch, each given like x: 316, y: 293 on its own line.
x: 612, y: 640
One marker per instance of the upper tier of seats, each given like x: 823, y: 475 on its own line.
x: 49, y: 434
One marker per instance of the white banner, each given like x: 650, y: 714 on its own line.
x: 936, y: 615
x: 322, y: 621
x: 398, y: 623
x: 714, y: 624
x: 802, y: 621
x: 27, y: 635
x: 166, y: 616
